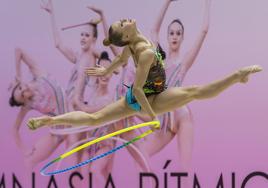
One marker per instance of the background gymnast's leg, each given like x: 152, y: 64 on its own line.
x: 40, y: 151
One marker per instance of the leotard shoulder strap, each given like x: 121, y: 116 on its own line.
x: 151, y: 47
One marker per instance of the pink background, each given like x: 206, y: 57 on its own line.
x: 230, y: 130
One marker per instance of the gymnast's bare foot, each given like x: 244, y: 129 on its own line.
x: 244, y: 73
x: 35, y: 123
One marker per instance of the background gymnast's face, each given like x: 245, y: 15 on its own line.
x: 175, y: 36
x: 104, y: 80
x: 125, y: 26
x: 87, y: 37
x: 22, y: 93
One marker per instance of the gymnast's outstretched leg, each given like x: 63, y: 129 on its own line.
x: 176, y: 97
x: 113, y: 111
x: 164, y: 102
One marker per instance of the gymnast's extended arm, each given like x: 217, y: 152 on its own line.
x: 117, y: 62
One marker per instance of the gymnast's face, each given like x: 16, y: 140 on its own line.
x: 87, y: 37
x: 126, y: 27
x: 175, y: 36
x: 104, y: 80
x: 22, y: 93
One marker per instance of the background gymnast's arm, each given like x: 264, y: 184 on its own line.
x: 114, y: 49
x: 190, y: 56
x: 156, y: 28
x: 67, y: 52
x: 23, y: 57
x: 16, y: 128
x: 99, y: 11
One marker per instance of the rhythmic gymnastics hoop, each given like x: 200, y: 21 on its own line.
x: 154, y: 124
x: 138, y: 152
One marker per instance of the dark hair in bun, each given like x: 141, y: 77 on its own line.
x: 104, y: 56
x: 12, y: 101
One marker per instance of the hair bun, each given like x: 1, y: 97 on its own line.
x: 104, y: 55
x: 106, y: 42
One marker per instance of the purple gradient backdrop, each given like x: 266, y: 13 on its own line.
x: 230, y: 130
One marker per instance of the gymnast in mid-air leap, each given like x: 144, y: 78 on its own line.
x: 148, y: 94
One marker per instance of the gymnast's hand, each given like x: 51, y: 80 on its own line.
x: 96, y: 71
x: 47, y: 6
x: 154, y: 128
x: 96, y: 10
x: 13, y: 83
